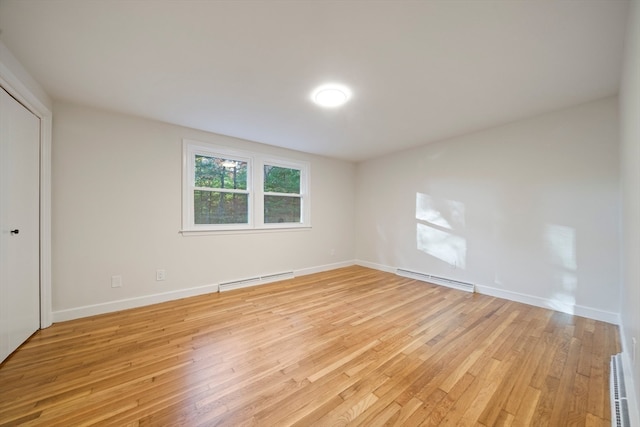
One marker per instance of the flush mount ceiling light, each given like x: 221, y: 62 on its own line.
x: 331, y: 95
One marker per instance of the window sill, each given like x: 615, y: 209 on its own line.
x: 187, y: 233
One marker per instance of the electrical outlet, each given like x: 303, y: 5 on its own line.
x: 161, y: 275
x: 116, y: 281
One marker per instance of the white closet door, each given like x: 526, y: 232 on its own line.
x: 19, y: 224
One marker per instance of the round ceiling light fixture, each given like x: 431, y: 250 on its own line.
x: 331, y: 95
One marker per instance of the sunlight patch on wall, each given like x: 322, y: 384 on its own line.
x: 439, y: 221
x: 561, y: 246
x: 561, y: 243
x: 442, y: 245
x: 445, y: 213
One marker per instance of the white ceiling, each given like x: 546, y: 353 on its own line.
x: 420, y: 71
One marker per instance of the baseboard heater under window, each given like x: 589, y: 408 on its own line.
x: 619, y: 404
x: 253, y: 281
x: 450, y: 283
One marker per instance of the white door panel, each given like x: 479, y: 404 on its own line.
x: 19, y: 224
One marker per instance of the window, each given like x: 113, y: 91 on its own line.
x: 282, y: 198
x: 226, y: 189
x: 220, y: 194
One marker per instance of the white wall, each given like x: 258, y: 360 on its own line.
x: 117, y: 211
x: 630, y: 174
x: 528, y: 211
x: 11, y: 69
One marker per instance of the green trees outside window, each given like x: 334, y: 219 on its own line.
x: 216, y: 199
x: 282, y: 201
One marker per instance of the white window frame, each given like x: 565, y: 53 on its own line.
x: 303, y: 167
x: 255, y: 188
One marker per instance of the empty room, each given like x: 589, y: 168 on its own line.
x: 319, y: 213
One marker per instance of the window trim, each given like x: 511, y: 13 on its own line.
x: 303, y: 167
x: 255, y: 189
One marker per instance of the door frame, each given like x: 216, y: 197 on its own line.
x: 33, y: 101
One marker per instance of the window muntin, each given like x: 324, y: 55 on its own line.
x: 225, y: 189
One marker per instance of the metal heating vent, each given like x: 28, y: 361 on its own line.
x: 463, y: 286
x: 253, y: 281
x: 619, y: 404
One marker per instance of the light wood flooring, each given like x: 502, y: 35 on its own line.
x: 352, y: 346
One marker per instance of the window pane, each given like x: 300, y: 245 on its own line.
x: 281, y: 209
x: 213, y: 207
x: 216, y: 172
x: 281, y: 180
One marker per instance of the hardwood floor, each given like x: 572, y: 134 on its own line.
x: 352, y: 346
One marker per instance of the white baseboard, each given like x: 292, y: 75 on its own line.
x: 375, y: 266
x: 111, y: 306
x: 588, y: 312
x: 124, y: 304
x: 321, y: 268
x: 578, y: 310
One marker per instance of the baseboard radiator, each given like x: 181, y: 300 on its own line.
x: 619, y: 404
x: 254, y: 281
x: 436, y: 280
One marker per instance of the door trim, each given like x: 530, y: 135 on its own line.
x: 17, y: 88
